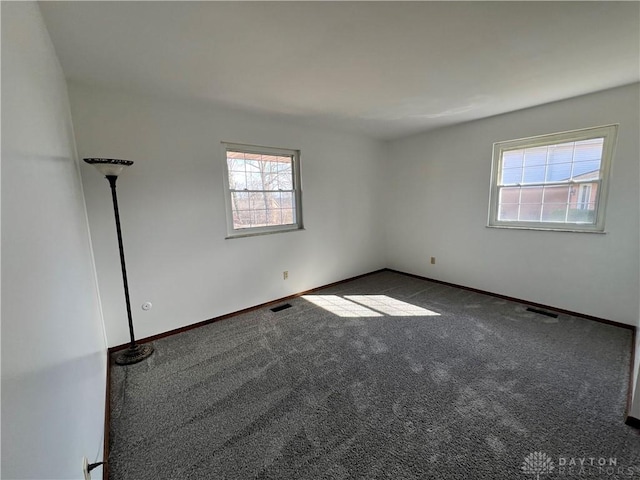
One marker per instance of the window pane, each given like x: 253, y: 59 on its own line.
x: 242, y: 219
x: 284, y: 163
x: 256, y: 201
x: 236, y: 164
x: 286, y: 199
x: 556, y: 194
x: 558, y: 172
x: 586, y: 215
x: 269, y: 180
x: 530, y: 212
x: 508, y: 212
x: 259, y: 209
x: 237, y: 180
x: 533, y: 174
x: 530, y: 204
x: 584, y: 195
x: 274, y: 216
x: 259, y: 172
x: 587, y: 169
x: 509, y: 199
x: 288, y: 217
x: 285, y: 180
x: 531, y: 195
x: 535, y: 156
x: 254, y: 181
x: 252, y: 163
x: 554, y: 203
x: 511, y: 176
x: 554, y: 212
x: 510, y: 195
x: 520, y: 203
x: 271, y: 200
x: 258, y: 218
x: 586, y: 150
x: 513, y: 159
x: 240, y: 201
x: 562, y: 153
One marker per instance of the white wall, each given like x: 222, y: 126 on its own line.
x: 53, y: 345
x: 438, y: 203
x: 173, y: 213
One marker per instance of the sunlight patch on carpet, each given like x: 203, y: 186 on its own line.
x: 340, y: 306
x: 368, y: 306
x: 391, y: 306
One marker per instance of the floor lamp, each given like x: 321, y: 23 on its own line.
x: 111, y: 168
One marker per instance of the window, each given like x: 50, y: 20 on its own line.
x: 262, y: 188
x: 552, y: 182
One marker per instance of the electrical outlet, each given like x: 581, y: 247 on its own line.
x: 85, y: 468
x: 285, y: 274
x: 433, y: 260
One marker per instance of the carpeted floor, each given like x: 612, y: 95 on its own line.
x: 386, y: 376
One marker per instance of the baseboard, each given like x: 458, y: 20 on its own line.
x: 107, y: 421
x: 631, y: 371
x: 633, y: 422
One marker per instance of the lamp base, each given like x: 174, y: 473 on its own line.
x: 134, y: 354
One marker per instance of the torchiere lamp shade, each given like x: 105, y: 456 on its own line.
x: 109, y: 166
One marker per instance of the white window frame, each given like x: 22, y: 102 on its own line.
x: 297, y: 190
x: 608, y: 132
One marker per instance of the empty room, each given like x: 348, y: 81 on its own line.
x: 320, y: 240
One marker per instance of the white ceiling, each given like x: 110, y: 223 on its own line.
x: 387, y: 69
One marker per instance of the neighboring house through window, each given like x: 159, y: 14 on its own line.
x: 552, y: 182
x: 262, y: 189
x: 584, y: 197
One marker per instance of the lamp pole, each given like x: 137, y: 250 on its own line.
x: 111, y: 168
x: 112, y: 183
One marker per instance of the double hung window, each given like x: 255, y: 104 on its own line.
x: 262, y: 187
x: 552, y: 182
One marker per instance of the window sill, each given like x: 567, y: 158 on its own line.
x: 266, y: 232
x: 546, y: 229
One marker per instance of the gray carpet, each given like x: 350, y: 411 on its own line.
x: 377, y: 388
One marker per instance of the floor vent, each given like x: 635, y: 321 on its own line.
x: 542, y: 312
x: 281, y: 307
